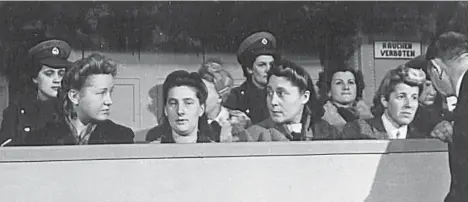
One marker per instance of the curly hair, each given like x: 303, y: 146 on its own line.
x: 76, y: 77
x: 402, y: 74
x: 325, y: 81
x: 299, y: 77
x: 213, y: 72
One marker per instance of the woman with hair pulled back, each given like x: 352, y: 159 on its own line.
x: 184, y: 119
x: 85, y: 101
x: 295, y: 113
x: 395, y: 105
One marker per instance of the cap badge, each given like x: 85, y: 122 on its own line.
x: 55, y: 51
x: 264, y: 41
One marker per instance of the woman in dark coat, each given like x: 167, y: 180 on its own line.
x: 85, y: 101
x: 294, y: 108
x: 184, y: 119
x: 395, y: 105
x: 256, y: 55
x: 47, y: 64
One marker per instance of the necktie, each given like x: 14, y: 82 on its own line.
x: 398, y: 134
x: 216, y: 129
x: 296, y: 136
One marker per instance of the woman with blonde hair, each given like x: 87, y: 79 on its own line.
x: 84, y: 108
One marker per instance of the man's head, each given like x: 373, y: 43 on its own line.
x: 448, y: 56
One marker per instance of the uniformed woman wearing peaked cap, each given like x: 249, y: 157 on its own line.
x: 47, y: 64
x: 256, y: 55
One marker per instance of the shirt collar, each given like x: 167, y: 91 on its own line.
x: 222, y: 116
x: 459, y: 82
x: 294, y: 127
x: 392, y: 130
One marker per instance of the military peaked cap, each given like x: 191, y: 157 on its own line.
x: 260, y: 43
x: 53, y: 53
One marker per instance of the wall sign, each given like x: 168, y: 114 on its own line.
x: 396, y: 49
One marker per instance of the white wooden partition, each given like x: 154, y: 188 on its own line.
x: 341, y: 171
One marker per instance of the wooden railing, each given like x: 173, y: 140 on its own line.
x: 398, y: 170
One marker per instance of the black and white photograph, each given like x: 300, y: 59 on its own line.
x: 236, y: 101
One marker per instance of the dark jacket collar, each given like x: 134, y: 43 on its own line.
x: 164, y: 135
x: 380, y: 133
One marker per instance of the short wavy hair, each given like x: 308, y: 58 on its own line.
x: 75, y: 78
x: 214, y: 72
x: 401, y: 74
x: 325, y: 81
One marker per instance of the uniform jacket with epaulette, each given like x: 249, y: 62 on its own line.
x: 249, y: 99
x: 25, y: 116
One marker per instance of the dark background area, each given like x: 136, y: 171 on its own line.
x: 331, y: 30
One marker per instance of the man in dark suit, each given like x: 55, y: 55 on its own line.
x: 448, y: 55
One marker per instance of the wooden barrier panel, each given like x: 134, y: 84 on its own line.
x: 398, y: 170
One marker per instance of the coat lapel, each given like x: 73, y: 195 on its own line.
x: 378, y: 128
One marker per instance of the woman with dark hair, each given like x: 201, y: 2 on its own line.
x: 84, y: 102
x: 184, y: 119
x: 294, y: 108
x: 47, y: 63
x: 341, y: 94
x: 395, y: 105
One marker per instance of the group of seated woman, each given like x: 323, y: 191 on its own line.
x: 296, y: 112
x: 193, y: 110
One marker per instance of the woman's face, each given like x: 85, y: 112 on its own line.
x: 260, y: 68
x: 183, y: 109
x: 428, y: 94
x: 343, y: 88
x: 402, y: 103
x: 95, y: 98
x: 48, y: 82
x: 284, y: 100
